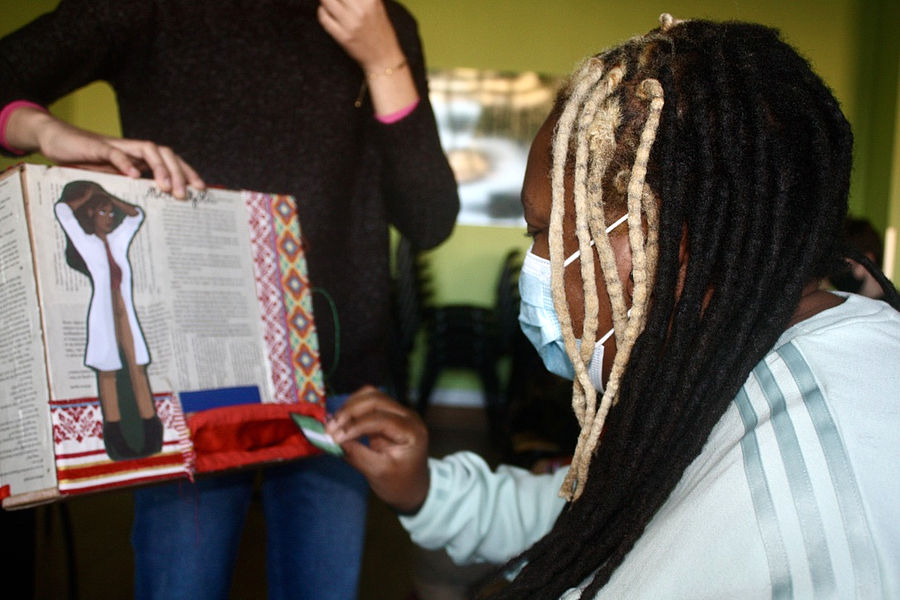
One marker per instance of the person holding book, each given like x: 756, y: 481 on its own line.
x: 739, y: 426
x: 322, y: 99
x: 99, y: 229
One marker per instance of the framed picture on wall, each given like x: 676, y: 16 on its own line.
x: 486, y: 121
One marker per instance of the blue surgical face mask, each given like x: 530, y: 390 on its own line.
x: 539, y: 322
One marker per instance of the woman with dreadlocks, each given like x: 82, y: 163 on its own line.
x: 739, y: 424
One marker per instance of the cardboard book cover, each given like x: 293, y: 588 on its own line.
x: 144, y: 338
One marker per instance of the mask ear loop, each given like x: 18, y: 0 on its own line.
x: 591, y: 367
x: 575, y: 255
x: 596, y: 370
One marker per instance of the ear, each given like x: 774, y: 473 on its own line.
x: 621, y: 246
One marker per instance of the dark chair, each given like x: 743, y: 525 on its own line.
x: 410, y: 295
x: 464, y: 336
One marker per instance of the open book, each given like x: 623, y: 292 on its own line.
x: 146, y: 338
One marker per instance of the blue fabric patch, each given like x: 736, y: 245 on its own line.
x: 206, y: 399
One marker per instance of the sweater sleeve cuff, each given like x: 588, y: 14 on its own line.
x: 439, y: 488
x: 393, y: 117
x: 5, y: 114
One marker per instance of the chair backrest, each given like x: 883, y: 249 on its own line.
x: 506, y: 305
x: 410, y: 300
x: 411, y: 293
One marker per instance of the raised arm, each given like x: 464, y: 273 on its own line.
x: 49, y: 58
x: 457, y: 503
x: 128, y: 209
x: 363, y: 29
x: 30, y: 128
x: 74, y: 202
x: 419, y: 188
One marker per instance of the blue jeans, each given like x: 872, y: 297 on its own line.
x: 186, y: 536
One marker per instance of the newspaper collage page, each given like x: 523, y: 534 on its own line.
x: 150, y: 307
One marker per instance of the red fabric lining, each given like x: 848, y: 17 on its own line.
x: 246, y: 434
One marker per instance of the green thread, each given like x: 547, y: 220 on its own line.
x: 337, y: 333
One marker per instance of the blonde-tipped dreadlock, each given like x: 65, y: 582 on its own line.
x: 594, y: 118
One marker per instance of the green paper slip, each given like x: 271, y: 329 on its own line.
x: 314, y: 431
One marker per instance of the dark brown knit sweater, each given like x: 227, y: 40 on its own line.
x: 256, y: 95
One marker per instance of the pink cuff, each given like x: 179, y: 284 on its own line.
x: 386, y: 119
x: 6, y: 113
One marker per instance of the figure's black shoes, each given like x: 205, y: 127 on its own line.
x: 153, y: 435
x: 116, y: 446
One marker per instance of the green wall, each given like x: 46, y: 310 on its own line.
x: 851, y: 43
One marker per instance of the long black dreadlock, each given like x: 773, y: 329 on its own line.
x: 751, y: 162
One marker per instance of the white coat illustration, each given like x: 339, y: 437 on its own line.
x: 102, y: 352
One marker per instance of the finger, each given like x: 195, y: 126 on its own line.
x: 401, y: 481
x: 167, y: 163
x: 157, y: 166
x: 364, y: 459
x: 331, y: 21
x: 149, y: 153
x: 123, y: 163
x: 364, y: 401
x: 193, y: 178
x: 176, y: 176
x: 388, y: 428
x: 338, y: 9
x: 355, y: 9
x: 375, y: 464
x: 346, y: 410
x: 372, y: 423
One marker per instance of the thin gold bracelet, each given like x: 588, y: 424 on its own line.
x: 388, y: 71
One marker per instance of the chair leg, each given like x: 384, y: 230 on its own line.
x: 426, y: 386
x: 493, y: 400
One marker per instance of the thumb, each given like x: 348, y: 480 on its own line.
x: 362, y: 458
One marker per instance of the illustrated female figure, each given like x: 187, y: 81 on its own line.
x: 99, y: 229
